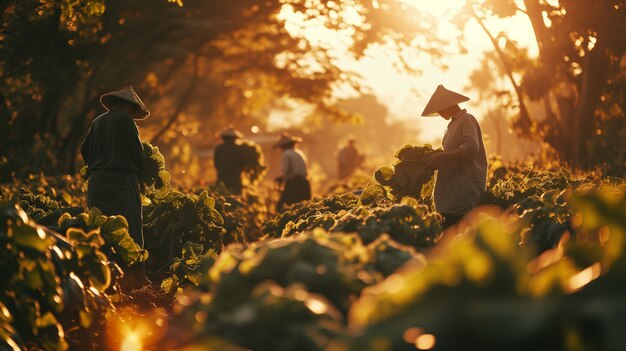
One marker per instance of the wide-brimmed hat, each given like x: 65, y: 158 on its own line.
x: 442, y: 98
x: 286, y: 139
x: 127, y: 94
x: 230, y: 132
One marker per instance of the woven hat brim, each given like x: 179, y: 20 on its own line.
x: 127, y: 94
x: 287, y: 140
x: 442, y: 98
x: 231, y: 134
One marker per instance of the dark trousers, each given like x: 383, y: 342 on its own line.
x: 117, y: 193
x: 296, y: 189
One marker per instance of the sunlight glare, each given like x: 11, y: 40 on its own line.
x: 436, y: 7
x: 132, y: 342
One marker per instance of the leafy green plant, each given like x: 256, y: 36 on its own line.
x: 546, y: 220
x: 52, y: 288
x: 294, y: 287
x: 254, y: 162
x: 309, y: 215
x: 113, y: 230
x: 178, y: 218
x: 408, y: 223
x: 482, y: 279
x: 404, y: 179
x: 189, y: 268
x: 154, y: 180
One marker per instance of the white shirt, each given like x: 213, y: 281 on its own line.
x: 294, y: 164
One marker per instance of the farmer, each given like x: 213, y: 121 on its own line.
x: 294, y: 165
x: 462, y: 166
x: 348, y: 159
x: 228, y: 160
x: 113, y: 154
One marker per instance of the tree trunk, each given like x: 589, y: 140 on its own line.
x: 595, y: 68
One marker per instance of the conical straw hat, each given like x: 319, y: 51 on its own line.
x: 231, y: 132
x: 287, y: 139
x: 442, y: 98
x: 127, y: 94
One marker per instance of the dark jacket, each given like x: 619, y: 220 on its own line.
x: 229, y: 163
x: 113, y: 144
x: 113, y: 153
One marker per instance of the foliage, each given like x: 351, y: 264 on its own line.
x: 53, y: 288
x: 243, y: 215
x: 406, y: 178
x: 45, y: 207
x: 509, y: 185
x: 408, y: 223
x: 482, y: 278
x: 189, y: 268
x: 118, y: 243
x: 308, y: 215
x: 178, y: 218
x: 57, y: 57
x: 254, y: 162
x: 307, y: 281
x: 547, y: 220
x: 577, y: 42
x: 154, y: 180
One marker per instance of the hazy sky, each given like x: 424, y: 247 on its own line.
x: 405, y: 95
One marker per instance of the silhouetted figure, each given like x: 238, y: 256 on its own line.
x: 113, y: 154
x: 348, y: 159
x: 462, y: 166
x: 229, y: 160
x: 294, y: 166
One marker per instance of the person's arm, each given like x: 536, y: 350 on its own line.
x: 469, y: 139
x: 467, y: 148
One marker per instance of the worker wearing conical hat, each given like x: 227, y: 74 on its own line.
x: 294, y: 176
x: 462, y: 166
x: 229, y: 160
x: 113, y: 154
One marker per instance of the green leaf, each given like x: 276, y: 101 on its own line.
x: 216, y: 216
x: 192, y: 250
x: 384, y: 175
x: 30, y: 237
x: 371, y: 193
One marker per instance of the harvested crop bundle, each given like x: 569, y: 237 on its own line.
x: 405, y: 178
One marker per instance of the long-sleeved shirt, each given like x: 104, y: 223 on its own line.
x: 113, y: 143
x: 229, y: 163
x: 294, y: 164
x: 460, y: 182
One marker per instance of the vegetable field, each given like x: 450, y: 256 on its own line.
x: 539, y: 265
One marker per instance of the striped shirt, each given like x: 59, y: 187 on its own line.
x: 460, y: 182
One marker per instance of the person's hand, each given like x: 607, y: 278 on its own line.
x: 434, y: 161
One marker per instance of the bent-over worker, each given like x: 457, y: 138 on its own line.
x: 462, y: 166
